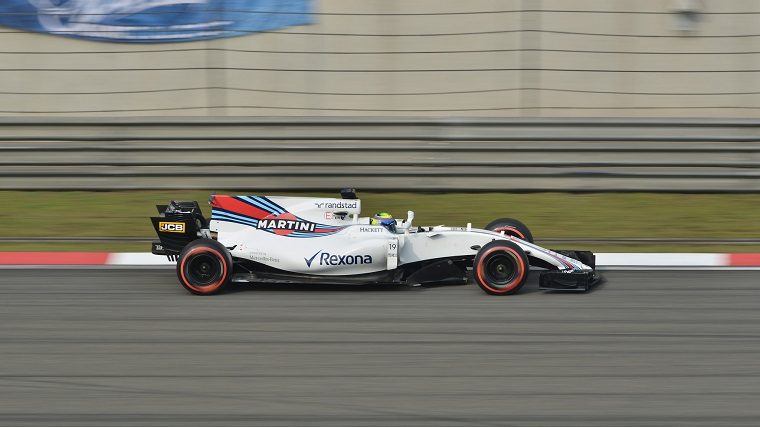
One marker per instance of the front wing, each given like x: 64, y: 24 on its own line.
x: 553, y: 280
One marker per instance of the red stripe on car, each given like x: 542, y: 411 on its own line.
x: 232, y: 204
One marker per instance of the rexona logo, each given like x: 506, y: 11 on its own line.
x: 171, y: 227
x: 326, y: 258
x: 285, y: 224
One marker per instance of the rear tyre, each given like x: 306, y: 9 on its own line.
x: 501, y: 268
x: 511, y: 227
x: 204, y: 267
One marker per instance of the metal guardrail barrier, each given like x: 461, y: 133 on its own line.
x: 381, y: 154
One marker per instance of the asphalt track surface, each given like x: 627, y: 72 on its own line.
x: 102, y: 347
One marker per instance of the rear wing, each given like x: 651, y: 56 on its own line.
x: 176, y: 225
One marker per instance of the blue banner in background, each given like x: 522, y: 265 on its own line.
x: 153, y: 21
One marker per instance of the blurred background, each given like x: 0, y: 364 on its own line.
x: 383, y: 58
x: 590, y: 104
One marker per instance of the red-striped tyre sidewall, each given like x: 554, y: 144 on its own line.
x: 512, y: 286
x: 510, y: 231
x: 207, y: 289
x: 511, y: 227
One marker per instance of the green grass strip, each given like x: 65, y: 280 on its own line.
x: 549, y: 215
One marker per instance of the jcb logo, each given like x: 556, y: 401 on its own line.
x: 171, y: 227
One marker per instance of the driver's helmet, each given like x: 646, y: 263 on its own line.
x: 384, y: 219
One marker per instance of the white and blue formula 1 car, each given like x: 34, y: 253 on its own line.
x: 261, y: 239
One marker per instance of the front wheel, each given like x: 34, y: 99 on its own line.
x: 501, y: 268
x: 204, y: 267
x: 511, y: 227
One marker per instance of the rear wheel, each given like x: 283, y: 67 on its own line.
x: 204, y: 267
x: 511, y: 227
x: 501, y: 268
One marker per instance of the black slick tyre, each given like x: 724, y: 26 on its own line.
x: 204, y: 267
x: 500, y: 268
x: 511, y: 227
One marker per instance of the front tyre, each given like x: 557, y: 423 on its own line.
x: 511, y: 227
x: 501, y: 268
x: 204, y: 267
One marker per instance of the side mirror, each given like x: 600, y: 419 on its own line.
x: 348, y: 193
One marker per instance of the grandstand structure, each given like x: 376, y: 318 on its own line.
x: 422, y: 58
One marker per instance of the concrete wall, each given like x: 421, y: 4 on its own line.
x: 580, y: 64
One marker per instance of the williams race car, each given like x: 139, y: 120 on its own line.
x: 262, y: 239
